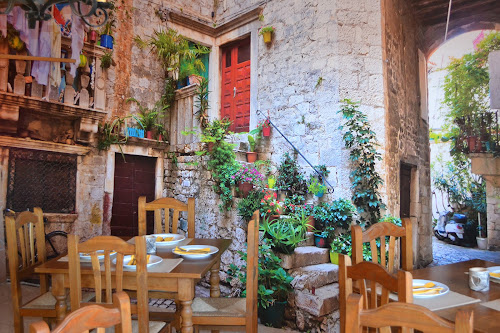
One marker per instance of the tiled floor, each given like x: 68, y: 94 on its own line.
x: 7, y: 322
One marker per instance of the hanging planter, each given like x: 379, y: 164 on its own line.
x: 267, y: 34
x: 266, y: 131
x: 93, y: 36
x: 107, y: 41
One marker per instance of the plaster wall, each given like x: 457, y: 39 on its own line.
x: 407, y: 132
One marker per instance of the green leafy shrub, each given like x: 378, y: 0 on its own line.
x: 361, y: 141
x: 285, y: 233
x: 247, y: 206
x: 290, y: 178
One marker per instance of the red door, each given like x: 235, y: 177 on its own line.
x: 236, y: 85
x: 134, y: 177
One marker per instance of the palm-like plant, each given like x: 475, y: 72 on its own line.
x: 172, y: 48
x: 148, y: 119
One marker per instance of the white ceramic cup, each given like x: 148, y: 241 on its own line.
x: 479, y: 279
x: 150, y: 244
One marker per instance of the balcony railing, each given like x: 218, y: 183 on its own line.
x: 479, y: 133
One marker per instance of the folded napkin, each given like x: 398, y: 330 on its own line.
x: 99, y: 254
x: 180, y: 250
x: 497, y: 275
x: 164, y: 239
x: 133, y: 260
x: 427, y: 291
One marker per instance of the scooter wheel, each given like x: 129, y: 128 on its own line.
x: 438, y: 235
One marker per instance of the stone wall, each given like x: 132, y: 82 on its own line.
x: 493, y: 213
x: 407, y: 133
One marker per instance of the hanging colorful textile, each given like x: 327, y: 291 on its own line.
x: 40, y: 69
x: 77, y: 37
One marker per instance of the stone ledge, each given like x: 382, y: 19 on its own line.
x: 60, y: 217
x: 315, y: 276
x: 305, y: 256
x: 325, y: 300
x: 7, y: 141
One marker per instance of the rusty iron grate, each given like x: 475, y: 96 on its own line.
x: 41, y: 179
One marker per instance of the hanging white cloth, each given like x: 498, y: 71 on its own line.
x: 29, y: 36
x: 77, y: 37
x: 40, y: 69
x: 55, y: 67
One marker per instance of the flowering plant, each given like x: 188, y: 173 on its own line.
x: 270, y: 204
x: 248, y: 175
x: 266, y: 29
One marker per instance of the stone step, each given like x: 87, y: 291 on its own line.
x: 309, y: 241
x: 323, y: 301
x: 305, y: 256
x: 314, y: 276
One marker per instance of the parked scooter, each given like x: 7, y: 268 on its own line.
x: 451, y: 229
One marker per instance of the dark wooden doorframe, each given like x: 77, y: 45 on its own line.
x: 133, y: 178
x: 405, y: 189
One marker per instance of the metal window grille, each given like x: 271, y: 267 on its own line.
x: 41, y: 179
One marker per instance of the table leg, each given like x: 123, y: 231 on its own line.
x: 59, y: 293
x: 186, y: 295
x: 215, y: 280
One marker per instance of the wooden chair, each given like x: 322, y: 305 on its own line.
x: 93, y: 316
x: 380, y: 231
x: 167, y: 204
x: 381, y: 283
x: 109, y: 244
x: 404, y: 315
x: 25, y: 234
x: 217, y: 312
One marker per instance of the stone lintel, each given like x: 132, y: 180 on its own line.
x: 7, y: 141
x: 60, y: 218
x: 205, y: 27
x: 485, y: 164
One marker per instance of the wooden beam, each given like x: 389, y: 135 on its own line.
x: 486, y: 12
x: 25, y: 57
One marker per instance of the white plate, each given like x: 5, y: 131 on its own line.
x: 494, y: 269
x: 153, y: 260
x: 100, y: 255
x: 417, y: 283
x: 177, y: 239
x: 213, y: 250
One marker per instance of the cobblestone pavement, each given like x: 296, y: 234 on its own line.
x: 445, y: 253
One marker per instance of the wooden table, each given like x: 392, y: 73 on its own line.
x: 453, y: 275
x: 181, y: 279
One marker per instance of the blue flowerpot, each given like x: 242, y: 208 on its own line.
x: 320, y: 241
x: 107, y: 41
x: 320, y: 194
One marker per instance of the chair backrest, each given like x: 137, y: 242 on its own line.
x: 25, y: 235
x: 108, y: 244
x: 404, y: 315
x: 93, y: 316
x: 252, y: 273
x: 167, y: 204
x: 379, y: 232
x: 376, y: 292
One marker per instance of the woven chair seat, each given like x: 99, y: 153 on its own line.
x: 215, y: 307
x: 154, y: 327
x: 48, y: 301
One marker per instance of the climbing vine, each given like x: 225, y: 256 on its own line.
x: 361, y: 141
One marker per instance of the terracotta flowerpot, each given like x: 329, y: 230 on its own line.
x: 273, y: 218
x: 149, y: 135
x: 251, y: 156
x: 268, y: 36
x: 210, y: 146
x: 310, y: 224
x: 266, y: 131
x: 93, y: 36
x: 245, y: 188
x: 474, y: 144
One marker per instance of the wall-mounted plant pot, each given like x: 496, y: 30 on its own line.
x: 482, y: 243
x: 107, y: 41
x: 92, y: 36
x: 310, y: 224
x: 251, y: 156
x: 320, y: 241
x: 245, y: 188
x: 474, y: 144
x: 149, y: 135
x: 268, y: 36
x: 273, y: 315
x: 135, y: 132
x: 320, y: 194
x: 334, y: 257
x: 266, y: 131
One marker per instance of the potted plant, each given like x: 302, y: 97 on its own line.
x: 315, y: 187
x: 251, y: 155
x: 266, y: 127
x: 341, y: 244
x: 267, y: 33
x: 274, y: 284
x: 285, y: 234
x: 246, y: 178
x: 270, y: 206
x: 215, y: 132
x: 107, y: 33
x: 148, y: 119
x: 106, y: 60
x: 247, y: 206
x: 482, y: 240
x: 290, y: 177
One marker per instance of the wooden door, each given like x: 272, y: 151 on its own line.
x: 134, y: 177
x: 405, y: 190
x: 235, y: 96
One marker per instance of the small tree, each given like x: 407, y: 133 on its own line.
x: 362, y: 142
